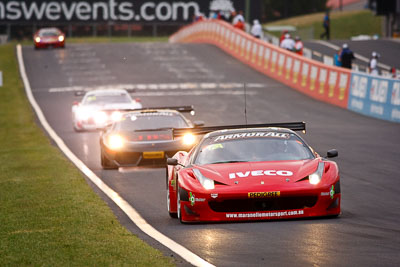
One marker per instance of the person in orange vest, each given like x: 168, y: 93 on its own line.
x: 238, y: 21
x: 298, y: 46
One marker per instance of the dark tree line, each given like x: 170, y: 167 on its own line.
x: 279, y: 9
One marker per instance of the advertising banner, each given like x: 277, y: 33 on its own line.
x: 326, y: 83
x: 133, y: 11
x: 375, y: 96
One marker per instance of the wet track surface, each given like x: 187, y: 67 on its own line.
x: 388, y: 50
x: 366, y: 234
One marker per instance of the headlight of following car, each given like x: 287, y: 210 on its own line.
x: 37, y: 39
x: 61, y: 38
x: 188, y: 139
x: 116, y: 116
x: 316, y: 177
x: 204, y: 181
x: 83, y: 113
x: 115, y: 141
x: 100, y: 118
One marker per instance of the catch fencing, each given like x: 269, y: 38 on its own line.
x: 326, y: 83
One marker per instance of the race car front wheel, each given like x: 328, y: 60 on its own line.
x: 171, y: 214
x: 106, y: 163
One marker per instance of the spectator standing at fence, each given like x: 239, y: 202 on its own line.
x: 346, y: 57
x: 373, y: 64
x: 327, y: 27
x: 395, y: 73
x: 336, y: 58
x: 238, y: 17
x: 256, y: 29
x: 284, y: 32
x: 298, y: 46
x: 288, y: 43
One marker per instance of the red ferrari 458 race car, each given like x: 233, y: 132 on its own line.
x: 49, y: 37
x: 253, y: 172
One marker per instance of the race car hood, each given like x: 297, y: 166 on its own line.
x: 249, y: 173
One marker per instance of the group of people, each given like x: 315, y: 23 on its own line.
x: 287, y: 42
x: 344, y: 57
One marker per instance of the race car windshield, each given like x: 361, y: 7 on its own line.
x: 252, y: 149
x: 49, y: 33
x: 151, y: 121
x: 106, y: 99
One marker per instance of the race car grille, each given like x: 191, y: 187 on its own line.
x: 244, y: 205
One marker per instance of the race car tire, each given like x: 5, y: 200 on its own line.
x: 76, y: 129
x: 106, y: 163
x: 178, y: 203
x: 171, y: 214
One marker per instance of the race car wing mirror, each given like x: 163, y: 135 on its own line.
x: 172, y: 161
x: 198, y: 123
x: 332, y: 153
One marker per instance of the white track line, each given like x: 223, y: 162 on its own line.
x: 122, y: 204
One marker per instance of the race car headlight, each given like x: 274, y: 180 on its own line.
x: 83, y: 114
x: 116, y: 116
x: 100, y: 118
x: 316, y: 177
x: 189, y: 139
x: 204, y: 181
x: 37, y: 39
x: 115, y: 141
x: 61, y: 38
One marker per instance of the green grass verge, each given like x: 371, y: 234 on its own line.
x: 49, y: 216
x: 344, y: 24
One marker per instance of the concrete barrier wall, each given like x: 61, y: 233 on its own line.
x: 326, y: 83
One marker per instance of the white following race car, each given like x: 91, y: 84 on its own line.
x: 99, y: 108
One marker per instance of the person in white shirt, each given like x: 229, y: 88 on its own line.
x: 238, y: 17
x: 288, y: 43
x: 373, y: 64
x: 256, y: 29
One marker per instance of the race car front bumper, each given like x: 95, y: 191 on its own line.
x: 144, y: 153
x: 290, y: 204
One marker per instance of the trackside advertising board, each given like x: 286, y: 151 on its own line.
x: 375, y: 96
x: 326, y: 83
x: 137, y: 11
x: 362, y: 93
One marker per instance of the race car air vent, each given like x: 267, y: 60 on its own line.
x: 266, y: 204
x: 303, y: 179
x: 294, y: 126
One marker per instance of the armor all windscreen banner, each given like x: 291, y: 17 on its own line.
x: 134, y: 11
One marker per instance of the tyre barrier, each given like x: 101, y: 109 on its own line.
x: 366, y: 94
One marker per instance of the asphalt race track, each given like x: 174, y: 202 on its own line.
x: 387, y: 49
x: 366, y: 234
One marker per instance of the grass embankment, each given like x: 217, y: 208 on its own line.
x: 344, y: 24
x: 49, y: 216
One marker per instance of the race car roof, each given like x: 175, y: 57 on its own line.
x: 107, y: 92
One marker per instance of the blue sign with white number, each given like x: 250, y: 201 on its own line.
x: 375, y: 96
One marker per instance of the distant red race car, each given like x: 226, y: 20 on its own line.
x: 49, y: 37
x: 253, y: 172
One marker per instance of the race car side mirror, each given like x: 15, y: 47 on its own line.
x: 198, y: 123
x: 332, y: 153
x: 172, y: 161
